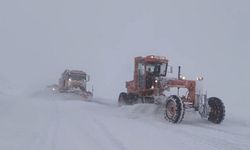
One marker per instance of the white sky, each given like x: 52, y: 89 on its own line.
x: 39, y: 39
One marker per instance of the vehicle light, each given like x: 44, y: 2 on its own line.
x: 70, y: 79
x: 199, y: 78
x: 183, y: 77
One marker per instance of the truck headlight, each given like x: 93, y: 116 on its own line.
x: 70, y: 79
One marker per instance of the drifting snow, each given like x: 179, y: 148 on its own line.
x: 50, y: 121
x: 4, y: 85
x: 7, y: 87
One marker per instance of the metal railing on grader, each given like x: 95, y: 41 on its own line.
x: 150, y: 84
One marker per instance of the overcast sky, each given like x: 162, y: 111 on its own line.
x: 41, y: 38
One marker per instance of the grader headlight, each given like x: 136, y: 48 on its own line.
x: 199, y: 78
x: 183, y: 77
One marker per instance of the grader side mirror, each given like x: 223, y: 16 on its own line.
x: 170, y: 69
x: 87, y: 78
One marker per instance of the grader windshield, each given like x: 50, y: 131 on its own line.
x: 158, y: 69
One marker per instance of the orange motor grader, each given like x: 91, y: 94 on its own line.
x: 151, y: 85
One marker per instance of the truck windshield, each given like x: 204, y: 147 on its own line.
x: 78, y: 76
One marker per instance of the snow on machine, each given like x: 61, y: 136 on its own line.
x: 150, y: 85
x: 74, y: 81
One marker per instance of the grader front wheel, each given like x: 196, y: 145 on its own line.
x: 174, y: 110
x: 217, y: 110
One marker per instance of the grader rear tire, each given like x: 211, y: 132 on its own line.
x: 123, y: 99
x: 175, y: 109
x: 217, y: 112
x: 132, y: 99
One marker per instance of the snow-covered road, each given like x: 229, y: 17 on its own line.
x: 44, y: 121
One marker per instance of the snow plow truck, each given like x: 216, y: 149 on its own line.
x: 151, y: 84
x: 75, y: 81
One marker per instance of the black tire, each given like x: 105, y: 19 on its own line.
x: 82, y: 88
x: 217, y: 110
x: 89, y: 95
x: 175, y: 109
x: 123, y: 98
x: 132, y: 99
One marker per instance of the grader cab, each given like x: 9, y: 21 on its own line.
x: 150, y: 85
x: 146, y: 72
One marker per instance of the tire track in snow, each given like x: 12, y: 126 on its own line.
x: 117, y: 143
x: 104, y: 139
x: 53, y: 130
x: 218, y: 139
x: 209, y: 138
x: 232, y: 133
x: 212, y: 137
x: 45, y: 139
x: 92, y: 138
x: 83, y: 130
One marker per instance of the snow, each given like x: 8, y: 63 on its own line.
x: 40, y: 39
x: 50, y: 121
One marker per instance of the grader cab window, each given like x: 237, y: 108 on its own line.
x: 163, y: 69
x: 157, y: 69
x: 141, y: 72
